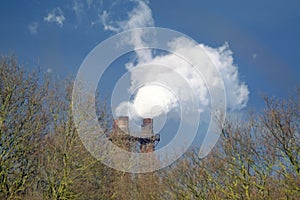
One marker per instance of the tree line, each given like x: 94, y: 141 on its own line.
x: 42, y: 157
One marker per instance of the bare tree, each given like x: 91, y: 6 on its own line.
x: 43, y: 157
x: 22, y: 124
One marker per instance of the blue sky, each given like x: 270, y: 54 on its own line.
x: 264, y: 36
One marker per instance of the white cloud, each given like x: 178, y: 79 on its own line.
x: 33, y: 28
x: 89, y: 3
x: 237, y: 93
x: 149, y: 98
x: 150, y: 101
x: 106, y: 24
x: 140, y: 16
x: 78, y: 8
x: 49, y: 70
x: 55, y: 16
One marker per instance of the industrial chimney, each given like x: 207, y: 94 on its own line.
x: 121, y: 136
x: 147, y: 127
x: 121, y: 123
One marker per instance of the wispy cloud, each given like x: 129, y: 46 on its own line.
x: 33, y: 28
x: 85, y: 10
x: 140, y: 16
x: 55, y: 16
x: 106, y: 24
x: 89, y: 3
x: 49, y: 70
x: 78, y: 8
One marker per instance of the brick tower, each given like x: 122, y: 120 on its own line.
x: 121, y: 136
